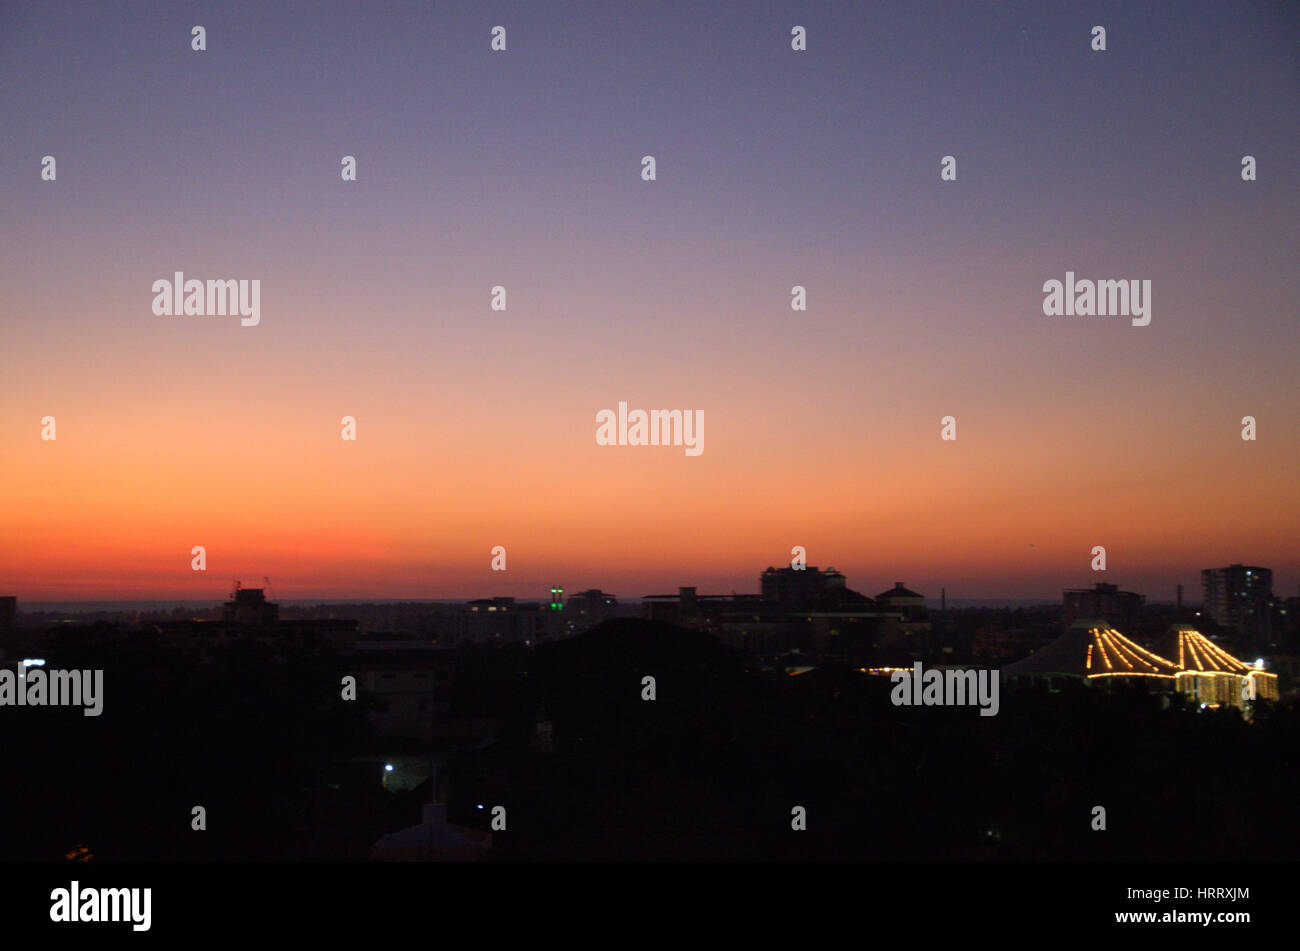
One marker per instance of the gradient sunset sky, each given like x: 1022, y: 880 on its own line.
x: 477, y: 428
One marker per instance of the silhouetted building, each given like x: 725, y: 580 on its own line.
x: 901, y: 600
x: 809, y: 613
x: 809, y: 588
x: 1119, y: 608
x: 1240, y: 599
x: 588, y: 608
x: 701, y: 612
x: 504, y: 620
x: 792, y: 587
x: 248, y: 607
x: 249, y: 614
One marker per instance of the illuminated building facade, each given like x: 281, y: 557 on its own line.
x: 1210, y: 675
x: 1093, y: 650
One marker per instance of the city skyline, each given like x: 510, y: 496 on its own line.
x: 600, y: 434
x: 1189, y: 594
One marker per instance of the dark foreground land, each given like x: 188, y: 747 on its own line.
x: 257, y: 734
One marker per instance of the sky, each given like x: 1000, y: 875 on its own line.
x: 476, y: 428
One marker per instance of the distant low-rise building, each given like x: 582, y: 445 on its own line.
x: 586, y: 609
x: 906, y: 602
x: 810, y: 612
x: 249, y: 614
x: 1119, y: 608
x: 505, y: 620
